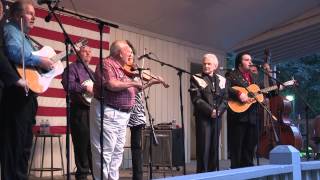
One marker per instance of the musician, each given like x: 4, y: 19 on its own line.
x: 137, y: 123
x: 79, y: 110
x: 314, y: 136
x: 20, y: 109
x: 8, y: 77
x: 242, y: 126
x: 207, y: 90
x: 119, y: 93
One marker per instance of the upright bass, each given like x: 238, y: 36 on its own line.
x: 281, y: 131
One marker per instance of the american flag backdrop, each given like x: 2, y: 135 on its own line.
x: 52, y: 103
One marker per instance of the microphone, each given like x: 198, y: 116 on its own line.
x: 40, y: 2
x: 277, y: 72
x: 139, y: 69
x: 261, y: 66
x: 225, y: 69
x: 256, y: 65
x: 48, y: 17
x: 144, y: 56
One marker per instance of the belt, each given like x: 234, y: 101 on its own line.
x: 119, y: 109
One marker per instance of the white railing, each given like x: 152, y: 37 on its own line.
x: 284, y: 164
x: 310, y: 170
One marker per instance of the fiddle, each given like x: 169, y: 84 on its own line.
x: 131, y: 71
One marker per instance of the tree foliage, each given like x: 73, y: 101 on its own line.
x: 306, y: 71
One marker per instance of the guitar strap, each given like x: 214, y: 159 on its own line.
x: 34, y: 42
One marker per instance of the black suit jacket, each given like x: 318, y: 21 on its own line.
x: 206, y: 98
x: 235, y: 78
x: 8, y: 75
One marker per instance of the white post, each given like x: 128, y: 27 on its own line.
x: 287, y: 154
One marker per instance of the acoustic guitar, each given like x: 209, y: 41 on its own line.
x: 38, y: 80
x: 253, y: 91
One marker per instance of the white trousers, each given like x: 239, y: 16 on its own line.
x: 114, y: 136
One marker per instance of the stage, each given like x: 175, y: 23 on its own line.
x: 126, y: 174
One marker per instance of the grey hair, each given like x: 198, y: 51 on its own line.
x: 116, y: 46
x: 211, y: 56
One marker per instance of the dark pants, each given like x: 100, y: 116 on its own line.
x: 242, y: 144
x: 206, y: 141
x: 136, y: 151
x: 1, y: 127
x: 19, y: 114
x: 80, y: 132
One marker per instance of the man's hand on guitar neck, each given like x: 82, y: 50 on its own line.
x: 46, y: 63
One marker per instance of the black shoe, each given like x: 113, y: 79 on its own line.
x: 81, y: 177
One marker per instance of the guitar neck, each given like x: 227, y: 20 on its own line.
x: 63, y: 54
x: 60, y: 56
x: 271, y: 88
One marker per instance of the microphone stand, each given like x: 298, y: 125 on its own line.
x: 307, y: 108
x: 98, y: 21
x: 67, y: 42
x: 218, y: 119
x: 152, y: 135
x: 271, y: 118
x: 216, y: 132
x: 101, y: 25
x: 180, y: 71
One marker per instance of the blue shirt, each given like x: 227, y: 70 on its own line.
x: 13, y: 45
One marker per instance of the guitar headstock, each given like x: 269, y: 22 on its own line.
x: 292, y: 82
x: 267, y: 55
x: 82, y: 42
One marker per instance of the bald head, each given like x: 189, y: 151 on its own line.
x: 121, y: 51
x: 209, y: 64
x: 116, y: 46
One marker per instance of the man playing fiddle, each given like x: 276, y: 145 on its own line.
x: 119, y: 96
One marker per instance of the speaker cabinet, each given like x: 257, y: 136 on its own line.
x: 169, y: 151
